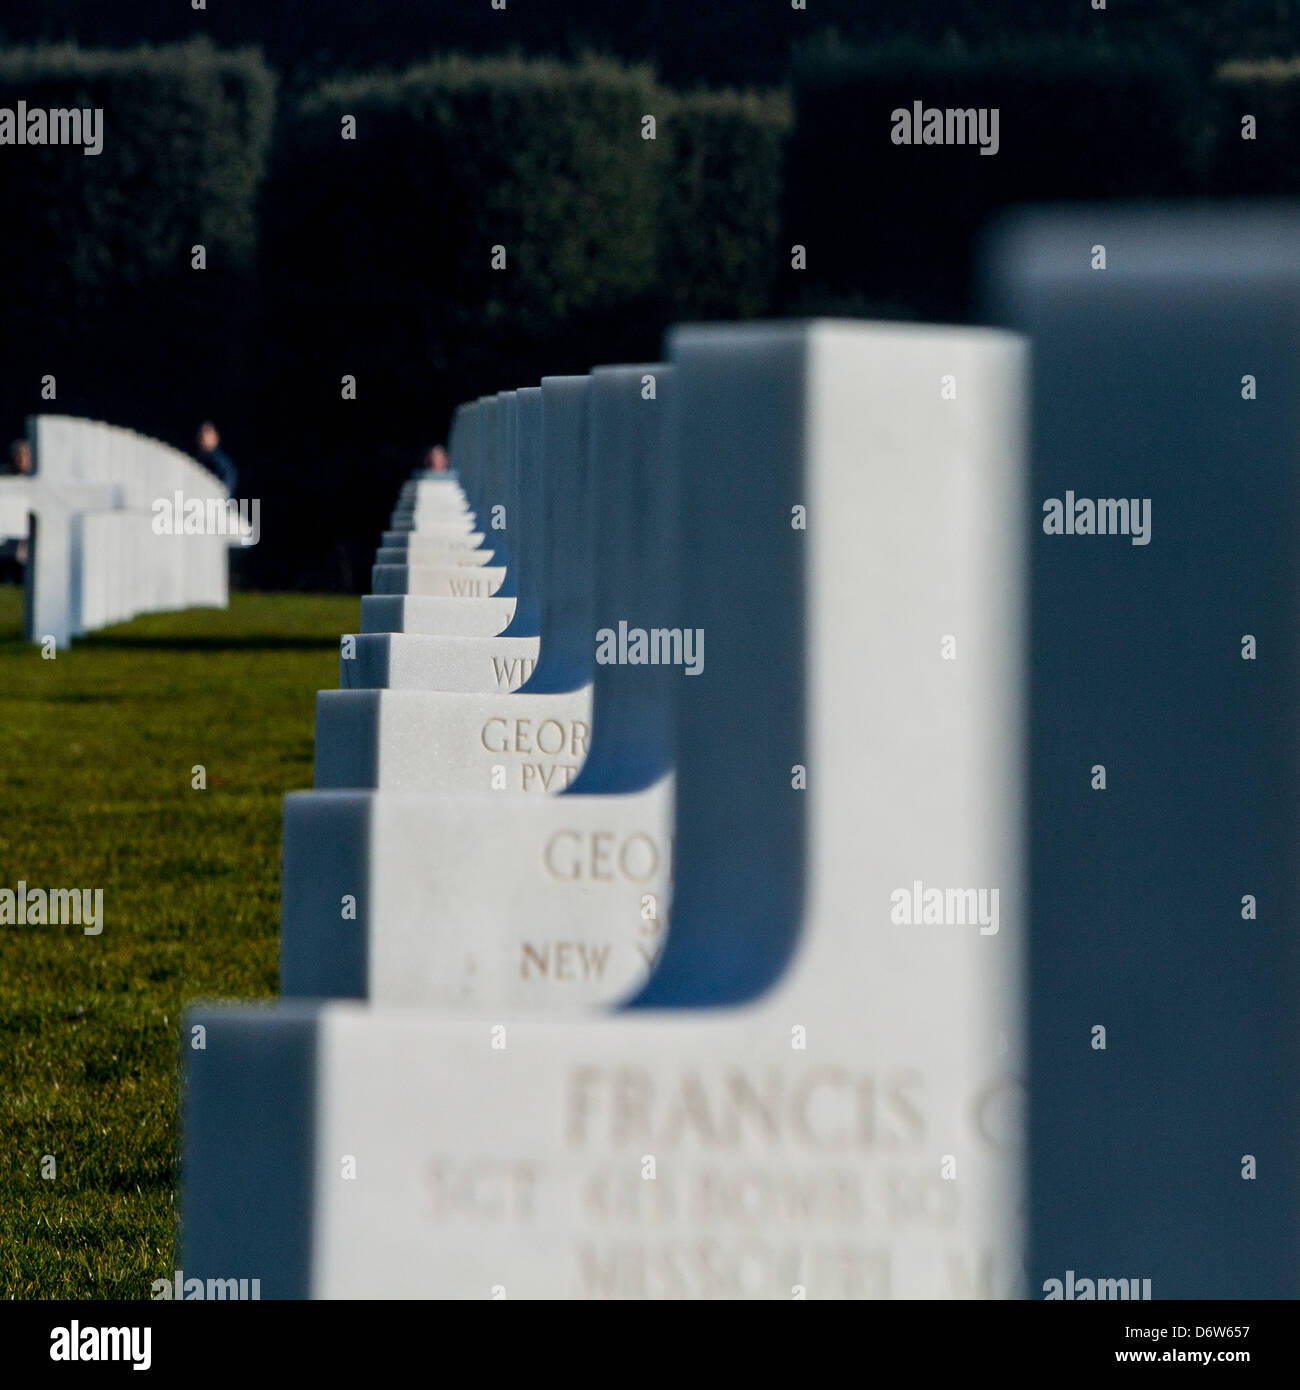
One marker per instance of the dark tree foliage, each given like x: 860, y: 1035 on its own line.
x: 380, y: 254
x: 373, y: 256
x: 741, y: 42
x: 1268, y: 162
x: 720, y: 221
x: 895, y: 225
x: 380, y: 249
x: 100, y: 290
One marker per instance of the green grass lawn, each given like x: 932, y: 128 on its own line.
x: 97, y: 749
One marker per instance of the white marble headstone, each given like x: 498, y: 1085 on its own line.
x: 835, y: 1119
x: 1165, y: 532
x: 461, y: 660
x: 531, y: 741
x: 541, y: 903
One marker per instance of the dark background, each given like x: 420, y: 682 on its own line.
x: 728, y: 43
x: 372, y: 257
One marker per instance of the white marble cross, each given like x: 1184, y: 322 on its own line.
x: 116, y: 531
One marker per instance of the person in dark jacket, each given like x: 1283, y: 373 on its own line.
x: 214, y: 457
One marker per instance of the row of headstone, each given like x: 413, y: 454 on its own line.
x: 465, y: 741
x: 117, y: 524
x: 706, y: 976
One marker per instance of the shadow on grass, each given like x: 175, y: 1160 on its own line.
x: 254, y: 642
x: 81, y: 698
x: 252, y: 623
x: 12, y: 639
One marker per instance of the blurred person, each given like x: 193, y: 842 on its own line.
x: 214, y: 458
x: 435, y: 459
x: 20, y: 458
